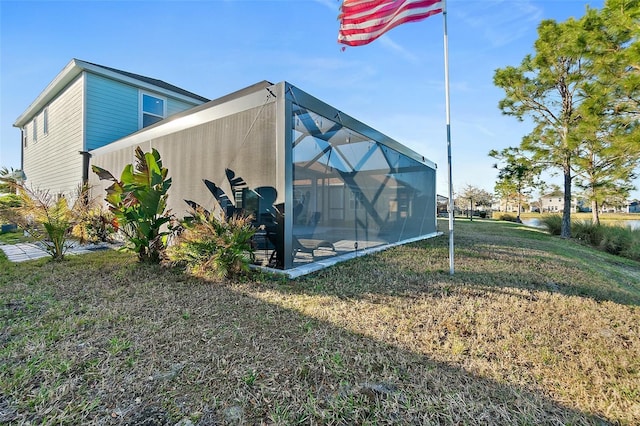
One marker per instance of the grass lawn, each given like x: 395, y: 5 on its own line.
x: 14, y: 237
x: 531, y: 329
x: 604, y: 217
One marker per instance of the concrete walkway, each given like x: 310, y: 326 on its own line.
x: 30, y: 251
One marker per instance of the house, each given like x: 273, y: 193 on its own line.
x: 554, y: 203
x: 511, y: 205
x: 321, y: 185
x: 443, y: 205
x: 85, y: 107
x: 633, y: 206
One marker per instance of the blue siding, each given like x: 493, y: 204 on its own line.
x: 175, y: 106
x: 111, y: 111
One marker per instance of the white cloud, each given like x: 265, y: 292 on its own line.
x: 394, y: 47
x: 500, y: 22
x: 331, y: 4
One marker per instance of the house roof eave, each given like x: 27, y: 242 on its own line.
x: 143, y: 82
x: 76, y: 66
x: 66, y: 76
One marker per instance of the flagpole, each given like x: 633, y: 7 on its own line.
x: 448, y: 118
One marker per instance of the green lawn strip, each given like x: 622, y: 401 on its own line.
x: 14, y: 237
x: 521, y: 334
x: 552, y: 261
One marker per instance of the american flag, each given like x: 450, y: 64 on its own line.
x: 363, y: 21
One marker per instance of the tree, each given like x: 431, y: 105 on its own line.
x: 548, y: 87
x: 473, y: 196
x: 518, y: 173
x: 614, y: 49
x: 505, y: 191
x: 582, y: 90
x: 605, y: 169
x: 610, y: 152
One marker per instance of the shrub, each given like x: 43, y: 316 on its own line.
x: 94, y: 226
x: 588, y: 232
x: 46, y: 217
x: 617, y: 240
x: 633, y: 252
x: 214, y: 245
x: 10, y: 200
x: 9, y: 203
x: 508, y: 217
x: 139, y: 201
x: 553, y: 224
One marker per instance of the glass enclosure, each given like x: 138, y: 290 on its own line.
x: 317, y: 182
x: 351, y: 192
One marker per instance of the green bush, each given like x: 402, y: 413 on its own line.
x: 214, y: 246
x: 138, y: 200
x: 94, y: 225
x: 612, y: 239
x: 617, y: 240
x: 588, y: 232
x: 508, y: 217
x: 10, y: 200
x: 633, y: 252
x: 8, y: 205
x: 47, y: 218
x: 553, y: 224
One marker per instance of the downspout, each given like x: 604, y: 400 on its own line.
x: 86, y: 157
x: 21, y: 149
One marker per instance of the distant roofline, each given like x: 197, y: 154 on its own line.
x: 76, y: 66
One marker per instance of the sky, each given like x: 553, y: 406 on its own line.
x: 214, y: 47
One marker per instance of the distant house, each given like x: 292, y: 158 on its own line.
x: 85, y: 107
x: 510, y: 205
x: 554, y: 203
x: 633, y: 206
x: 443, y: 205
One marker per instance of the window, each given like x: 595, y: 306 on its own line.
x: 45, y: 121
x: 24, y: 136
x: 153, y: 109
x: 35, y: 129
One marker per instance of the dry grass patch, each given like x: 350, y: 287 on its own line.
x: 530, y: 330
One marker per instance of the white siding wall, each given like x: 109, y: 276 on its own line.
x: 53, y: 162
x: 91, y: 112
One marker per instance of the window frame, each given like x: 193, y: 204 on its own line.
x: 142, y: 112
x: 35, y: 129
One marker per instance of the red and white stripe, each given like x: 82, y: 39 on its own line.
x: 363, y: 21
